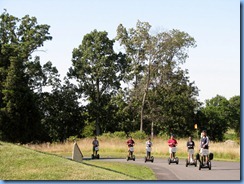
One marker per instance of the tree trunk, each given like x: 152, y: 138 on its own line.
x: 144, y: 96
x: 97, y: 110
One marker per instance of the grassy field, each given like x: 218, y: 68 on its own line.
x: 116, y: 147
x: 21, y: 163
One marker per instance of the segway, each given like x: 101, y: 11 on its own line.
x: 174, y: 159
x: 149, y: 157
x: 202, y: 158
x: 131, y: 156
x: 191, y: 161
x: 96, y: 155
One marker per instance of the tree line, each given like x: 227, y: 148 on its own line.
x: 143, y: 88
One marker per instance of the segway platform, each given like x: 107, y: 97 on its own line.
x: 151, y: 159
x: 191, y: 161
x: 202, y: 162
x: 131, y: 157
x: 95, y: 156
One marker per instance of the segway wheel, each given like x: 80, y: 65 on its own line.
x: 195, y: 163
x: 92, y: 156
x: 152, y: 159
x: 186, y: 162
x: 127, y: 158
x: 145, y: 159
x: 134, y: 158
x: 200, y: 166
x: 209, y: 165
x: 98, y: 156
x: 177, y: 160
x: 169, y: 161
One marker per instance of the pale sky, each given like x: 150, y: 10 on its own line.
x: 214, y: 64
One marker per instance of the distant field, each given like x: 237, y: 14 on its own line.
x: 116, y: 147
x: 20, y: 163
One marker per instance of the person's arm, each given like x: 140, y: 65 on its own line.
x: 207, y: 141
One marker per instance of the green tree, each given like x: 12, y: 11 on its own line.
x: 150, y: 56
x: 235, y: 114
x: 19, y: 38
x: 99, y: 71
x: 62, y: 115
x: 217, y: 116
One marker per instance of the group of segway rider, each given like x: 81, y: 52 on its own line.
x: 204, y: 157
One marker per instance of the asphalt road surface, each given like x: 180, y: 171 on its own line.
x: 219, y: 170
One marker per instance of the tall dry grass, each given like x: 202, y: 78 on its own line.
x: 116, y: 147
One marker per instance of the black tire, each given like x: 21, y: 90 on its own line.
x: 197, y: 156
x: 186, y: 162
x: 200, y: 166
x: 195, y: 162
x: 133, y: 157
x: 209, y: 165
x: 145, y: 159
x: 98, y: 156
x: 169, y: 161
x: 177, y: 160
x: 92, y: 156
x: 127, y: 158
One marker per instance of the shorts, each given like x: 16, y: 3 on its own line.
x: 172, y: 149
x: 204, y: 152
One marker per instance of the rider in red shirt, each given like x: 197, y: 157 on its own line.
x: 172, y: 143
x: 130, y: 143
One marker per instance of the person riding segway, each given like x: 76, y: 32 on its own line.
x: 204, y: 157
x: 148, y: 150
x: 190, y: 149
x: 95, y: 148
x: 131, y: 144
x: 172, y: 143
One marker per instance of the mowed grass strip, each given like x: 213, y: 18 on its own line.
x: 132, y: 170
x: 20, y: 163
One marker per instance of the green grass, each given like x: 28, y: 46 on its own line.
x: 21, y: 163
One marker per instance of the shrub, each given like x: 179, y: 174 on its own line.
x: 120, y: 134
x: 88, y: 130
x: 139, y: 135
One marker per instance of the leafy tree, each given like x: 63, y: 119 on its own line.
x: 99, y: 71
x: 62, y: 115
x: 235, y: 114
x: 19, y: 38
x: 217, y: 116
x: 150, y: 56
x: 21, y: 114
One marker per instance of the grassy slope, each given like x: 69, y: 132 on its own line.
x: 20, y: 163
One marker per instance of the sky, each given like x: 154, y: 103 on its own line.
x: 214, y: 65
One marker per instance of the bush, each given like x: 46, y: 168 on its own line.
x: 120, y: 134
x: 72, y: 139
x: 107, y: 135
x: 139, y: 135
x: 88, y: 130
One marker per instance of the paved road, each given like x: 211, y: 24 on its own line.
x: 164, y: 171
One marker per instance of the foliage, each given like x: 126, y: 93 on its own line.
x: 88, y: 130
x: 19, y: 38
x: 159, y: 83
x: 99, y: 71
x: 138, y: 135
x: 235, y: 114
x: 120, y: 134
x: 216, y: 116
x: 61, y: 113
x: 158, y: 99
